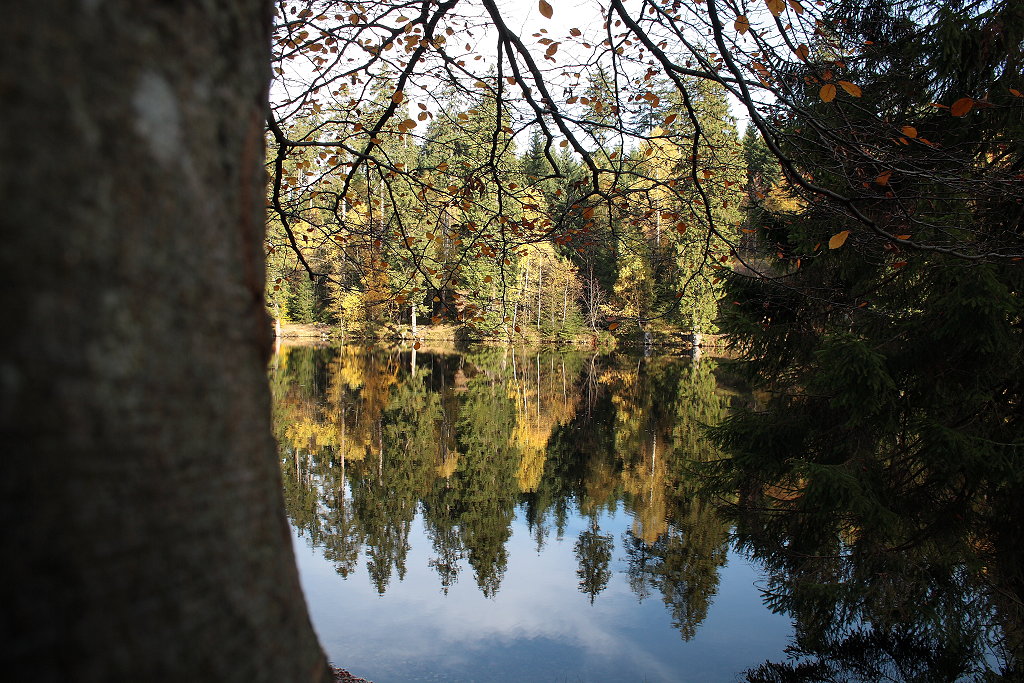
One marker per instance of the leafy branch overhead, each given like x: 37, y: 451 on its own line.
x: 447, y: 153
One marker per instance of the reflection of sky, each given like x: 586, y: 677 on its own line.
x: 539, y: 627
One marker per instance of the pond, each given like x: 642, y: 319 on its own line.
x: 507, y: 514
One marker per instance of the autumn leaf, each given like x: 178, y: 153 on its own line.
x: 416, y: 345
x: 1015, y: 92
x: 851, y: 88
x: 838, y: 239
x: 883, y: 178
x: 545, y: 9
x: 742, y: 24
x: 797, y: 7
x: 827, y: 92
x: 909, y: 131
x: 802, y: 51
x: 776, y: 7
x: 962, y: 106
x: 398, y: 97
x: 612, y: 327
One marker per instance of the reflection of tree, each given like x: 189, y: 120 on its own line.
x: 593, y: 553
x: 366, y: 444
x: 682, y: 565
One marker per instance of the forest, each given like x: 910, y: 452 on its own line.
x: 451, y: 244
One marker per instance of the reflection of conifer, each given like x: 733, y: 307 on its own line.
x: 593, y: 553
x: 682, y: 565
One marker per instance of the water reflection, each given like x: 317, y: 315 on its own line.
x: 420, y: 473
x: 370, y: 437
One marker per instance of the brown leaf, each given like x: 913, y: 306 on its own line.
x: 962, y: 106
x: 909, y: 131
x: 883, y: 178
x: 802, y: 52
x: 545, y: 9
x: 742, y: 24
x: 851, y: 88
x: 776, y: 7
x: 838, y: 239
x: 827, y: 92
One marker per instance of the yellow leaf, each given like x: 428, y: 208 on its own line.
x: 838, y: 239
x: 742, y: 24
x: 909, y: 131
x: 827, y: 92
x: 545, y: 9
x: 962, y: 106
x: 851, y: 88
x: 776, y: 7
x: 903, y: 237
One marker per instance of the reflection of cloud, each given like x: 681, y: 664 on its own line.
x: 539, y: 622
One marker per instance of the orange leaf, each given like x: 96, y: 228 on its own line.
x: 612, y: 326
x: 962, y: 106
x: 838, y: 239
x: 827, y: 92
x: 1015, y: 92
x: 852, y: 88
x: 545, y: 9
x: 883, y: 178
x: 909, y: 131
x: 416, y: 345
x: 899, y: 264
x: 742, y: 24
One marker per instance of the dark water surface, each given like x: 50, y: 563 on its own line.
x: 509, y: 515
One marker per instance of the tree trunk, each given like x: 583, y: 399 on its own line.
x: 143, y: 528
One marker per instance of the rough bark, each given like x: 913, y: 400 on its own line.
x: 143, y: 529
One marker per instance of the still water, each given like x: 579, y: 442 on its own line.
x: 509, y: 515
